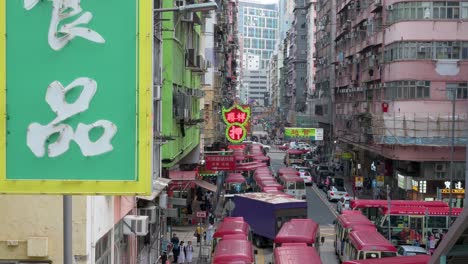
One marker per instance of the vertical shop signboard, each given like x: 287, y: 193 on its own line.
x: 76, y: 97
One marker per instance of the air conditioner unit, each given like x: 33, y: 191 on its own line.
x: 135, y: 225
x: 440, y: 167
x: 187, y: 17
x: 179, y: 3
x: 378, y: 2
x: 150, y: 212
x: 190, y: 59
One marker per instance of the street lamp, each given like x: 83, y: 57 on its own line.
x: 202, y: 7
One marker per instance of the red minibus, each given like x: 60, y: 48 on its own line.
x: 287, y: 170
x: 346, y: 223
x: 293, y: 185
x: 299, y: 231
x: 294, y: 156
x: 269, y: 183
x: 296, y: 253
x: 233, y: 251
x: 235, y: 183
x: 410, y: 224
x: 232, y: 226
x: 370, y: 208
x: 418, y: 259
x: 367, y: 244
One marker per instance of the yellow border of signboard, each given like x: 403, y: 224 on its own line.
x: 142, y: 185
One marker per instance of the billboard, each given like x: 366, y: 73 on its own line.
x: 76, y: 97
x: 300, y: 132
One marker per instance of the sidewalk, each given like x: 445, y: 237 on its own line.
x: 348, y: 182
x: 185, y: 233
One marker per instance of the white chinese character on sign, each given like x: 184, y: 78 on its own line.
x: 458, y: 185
x: 38, y: 135
x: 447, y: 184
x: 61, y: 33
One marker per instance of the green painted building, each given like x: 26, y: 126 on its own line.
x: 183, y: 66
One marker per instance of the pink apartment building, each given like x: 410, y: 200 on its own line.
x: 397, y: 66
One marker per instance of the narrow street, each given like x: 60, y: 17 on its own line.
x: 318, y: 209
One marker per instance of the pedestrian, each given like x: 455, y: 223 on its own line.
x: 181, y: 257
x: 209, y: 233
x: 432, y: 244
x: 199, y: 233
x: 189, y: 252
x: 175, y: 246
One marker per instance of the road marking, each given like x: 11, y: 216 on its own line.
x: 324, y: 201
x: 261, y: 257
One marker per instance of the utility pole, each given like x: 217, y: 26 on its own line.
x: 453, y: 92
x: 389, y: 207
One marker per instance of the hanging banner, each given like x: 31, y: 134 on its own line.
x: 79, y: 97
x: 299, y: 132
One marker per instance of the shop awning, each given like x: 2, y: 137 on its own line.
x: 178, y: 175
x: 158, y: 186
x: 206, y: 185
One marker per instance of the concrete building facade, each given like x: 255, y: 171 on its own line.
x: 401, y: 92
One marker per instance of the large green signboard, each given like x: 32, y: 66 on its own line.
x: 300, y: 132
x: 76, y: 110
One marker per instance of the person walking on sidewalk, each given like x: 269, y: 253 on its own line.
x: 209, y: 233
x: 175, y: 246
x: 199, y: 233
x: 189, y: 252
x: 181, y: 257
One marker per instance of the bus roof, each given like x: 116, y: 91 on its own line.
x: 364, y: 203
x: 231, y: 228
x: 350, y: 220
x: 235, y: 178
x: 295, y: 151
x: 233, y: 218
x: 418, y: 259
x: 270, y: 198
x: 235, y: 237
x: 233, y: 251
x: 406, y: 210
x: 370, y: 241
x: 296, y: 254
x: 298, y: 230
x: 264, y: 177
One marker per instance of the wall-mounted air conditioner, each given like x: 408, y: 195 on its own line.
x: 440, y: 167
x: 135, y: 225
x: 149, y: 211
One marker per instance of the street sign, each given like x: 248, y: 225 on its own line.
x: 299, y: 132
x: 220, y: 162
x: 359, y: 181
x: 201, y: 214
x: 380, y: 180
x: 78, y: 87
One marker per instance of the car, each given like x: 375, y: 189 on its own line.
x: 285, y: 146
x: 342, y: 205
x: 323, y: 178
x: 410, y: 251
x: 265, y: 147
x: 335, y: 193
x: 305, y: 175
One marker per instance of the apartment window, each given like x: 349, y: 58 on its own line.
x: 407, y: 90
x: 428, y: 10
x: 404, y: 50
x: 461, y: 90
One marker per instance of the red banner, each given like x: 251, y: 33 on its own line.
x: 220, y: 162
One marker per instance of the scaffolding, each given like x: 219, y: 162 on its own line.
x: 430, y: 129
